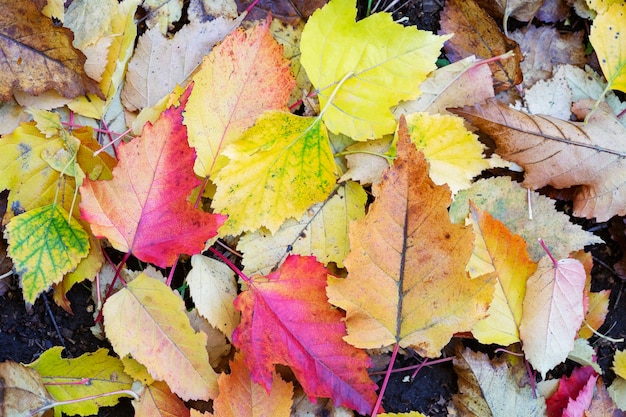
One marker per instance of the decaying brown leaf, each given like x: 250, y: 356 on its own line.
x: 289, y: 11
x: 590, y: 157
x: 38, y: 56
x: 22, y: 393
x: 476, y: 33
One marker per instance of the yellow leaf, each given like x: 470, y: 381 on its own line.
x: 88, y: 375
x: 410, y: 414
x: 147, y: 310
x: 405, y: 257
x: 289, y: 37
x: 454, y: 154
x: 506, y: 254
x: 384, y: 62
x: 123, y: 30
x: 242, y: 77
x: 322, y: 231
x: 44, y: 247
x: 89, y: 20
x: 619, y: 363
x: 137, y: 371
x: 606, y: 39
x: 367, y: 160
x: 277, y: 169
x: 213, y: 289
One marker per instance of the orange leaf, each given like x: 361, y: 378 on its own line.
x: 144, y: 208
x: 286, y: 320
x: 407, y: 281
x: 240, y: 397
x: 158, y: 401
x: 38, y: 56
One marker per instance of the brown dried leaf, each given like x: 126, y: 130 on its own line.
x: 22, y: 392
x: 38, y: 56
x: 476, y: 33
x: 590, y: 157
x: 289, y: 11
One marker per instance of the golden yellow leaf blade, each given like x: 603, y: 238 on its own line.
x: 405, y: 259
x: 606, y: 39
x: 147, y: 320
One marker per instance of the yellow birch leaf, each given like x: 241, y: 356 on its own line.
x: 157, y: 400
x: 123, y: 30
x: 44, y: 247
x: 88, y: 375
x: 278, y: 168
x: 242, y: 77
x: 455, y: 155
x: 606, y: 39
x: 619, y: 363
x: 137, y: 371
x: 506, y: 254
x: 384, y: 62
x: 147, y: 309
x: 322, y: 231
x: 213, y: 288
x: 405, y: 258
x: 241, y: 397
x: 89, y: 20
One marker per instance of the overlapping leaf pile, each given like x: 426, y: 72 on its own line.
x: 218, y: 154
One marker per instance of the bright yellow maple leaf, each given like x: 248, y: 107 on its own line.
x: 455, y: 154
x: 278, y: 168
x: 146, y: 309
x: 405, y: 258
x: 506, y: 254
x: 366, y: 66
x: 619, y: 363
x: 103, y: 374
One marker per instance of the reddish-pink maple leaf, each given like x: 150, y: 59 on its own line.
x: 574, y: 394
x: 286, y: 319
x: 144, y: 210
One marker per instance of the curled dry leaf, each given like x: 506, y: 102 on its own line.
x: 22, y: 391
x: 590, y: 157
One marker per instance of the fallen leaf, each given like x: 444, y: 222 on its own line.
x: 584, y: 354
x: 91, y: 374
x: 605, y: 36
x: 153, y: 220
x: 552, y: 97
x: 560, y: 153
x: 23, y: 392
x: 38, y: 56
x: 522, y: 10
x: 552, y: 312
x: 303, y: 407
x: 619, y: 363
x: 162, y: 15
x: 44, y: 247
x: 368, y: 160
x: 213, y: 288
x: 617, y: 392
x: 289, y: 11
x: 217, y: 345
x: 404, y: 254
x: 286, y: 320
x: 89, y: 21
x: 598, y: 306
x: 507, y: 201
x: 488, y: 388
x: 602, y: 405
x: 146, y: 309
x: 476, y: 33
x: 574, y: 394
x: 322, y: 232
x: 505, y: 253
x: 158, y: 401
x: 361, y: 69
x: 240, y: 79
x: 266, y: 182
x: 289, y: 37
x: 553, y: 11
x: 241, y: 397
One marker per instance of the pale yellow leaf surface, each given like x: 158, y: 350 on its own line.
x: 104, y: 374
x: 367, y: 160
x: 598, y: 302
x: 409, y: 414
x: 158, y: 401
x: 619, y: 363
x: 123, y: 30
x: 606, y: 39
x: 507, y: 256
x: 196, y: 413
x: 242, y: 77
x: 147, y: 309
x: 507, y: 201
x: 163, y: 13
x: 405, y: 256
x: 322, y: 231
x: 241, y: 397
x: 136, y: 370
x: 289, y: 37
x: 489, y: 388
x: 278, y: 168
x: 54, y: 8
x: 617, y: 391
x: 461, y: 83
x: 383, y: 61
x: 217, y: 345
x: 97, y: 57
x: 584, y: 355
x: 454, y: 154
x: 213, y: 288
x: 552, y: 312
x: 89, y: 20
x: 160, y: 63
x: 304, y: 407
x: 601, y: 6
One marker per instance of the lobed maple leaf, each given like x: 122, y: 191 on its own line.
x: 286, y: 320
x: 405, y: 259
x: 574, y: 393
x: 144, y: 210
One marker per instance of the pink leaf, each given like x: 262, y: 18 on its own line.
x: 574, y: 394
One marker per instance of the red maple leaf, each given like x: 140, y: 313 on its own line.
x: 574, y: 393
x: 144, y: 210
x: 286, y: 319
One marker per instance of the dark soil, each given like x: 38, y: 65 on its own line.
x: 25, y: 334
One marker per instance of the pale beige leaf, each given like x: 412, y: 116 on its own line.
x: 304, y: 407
x: 213, y: 289
x: 550, y: 98
x: 217, y: 346
x: 22, y: 392
x: 367, y: 160
x: 163, y: 13
x: 89, y: 20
